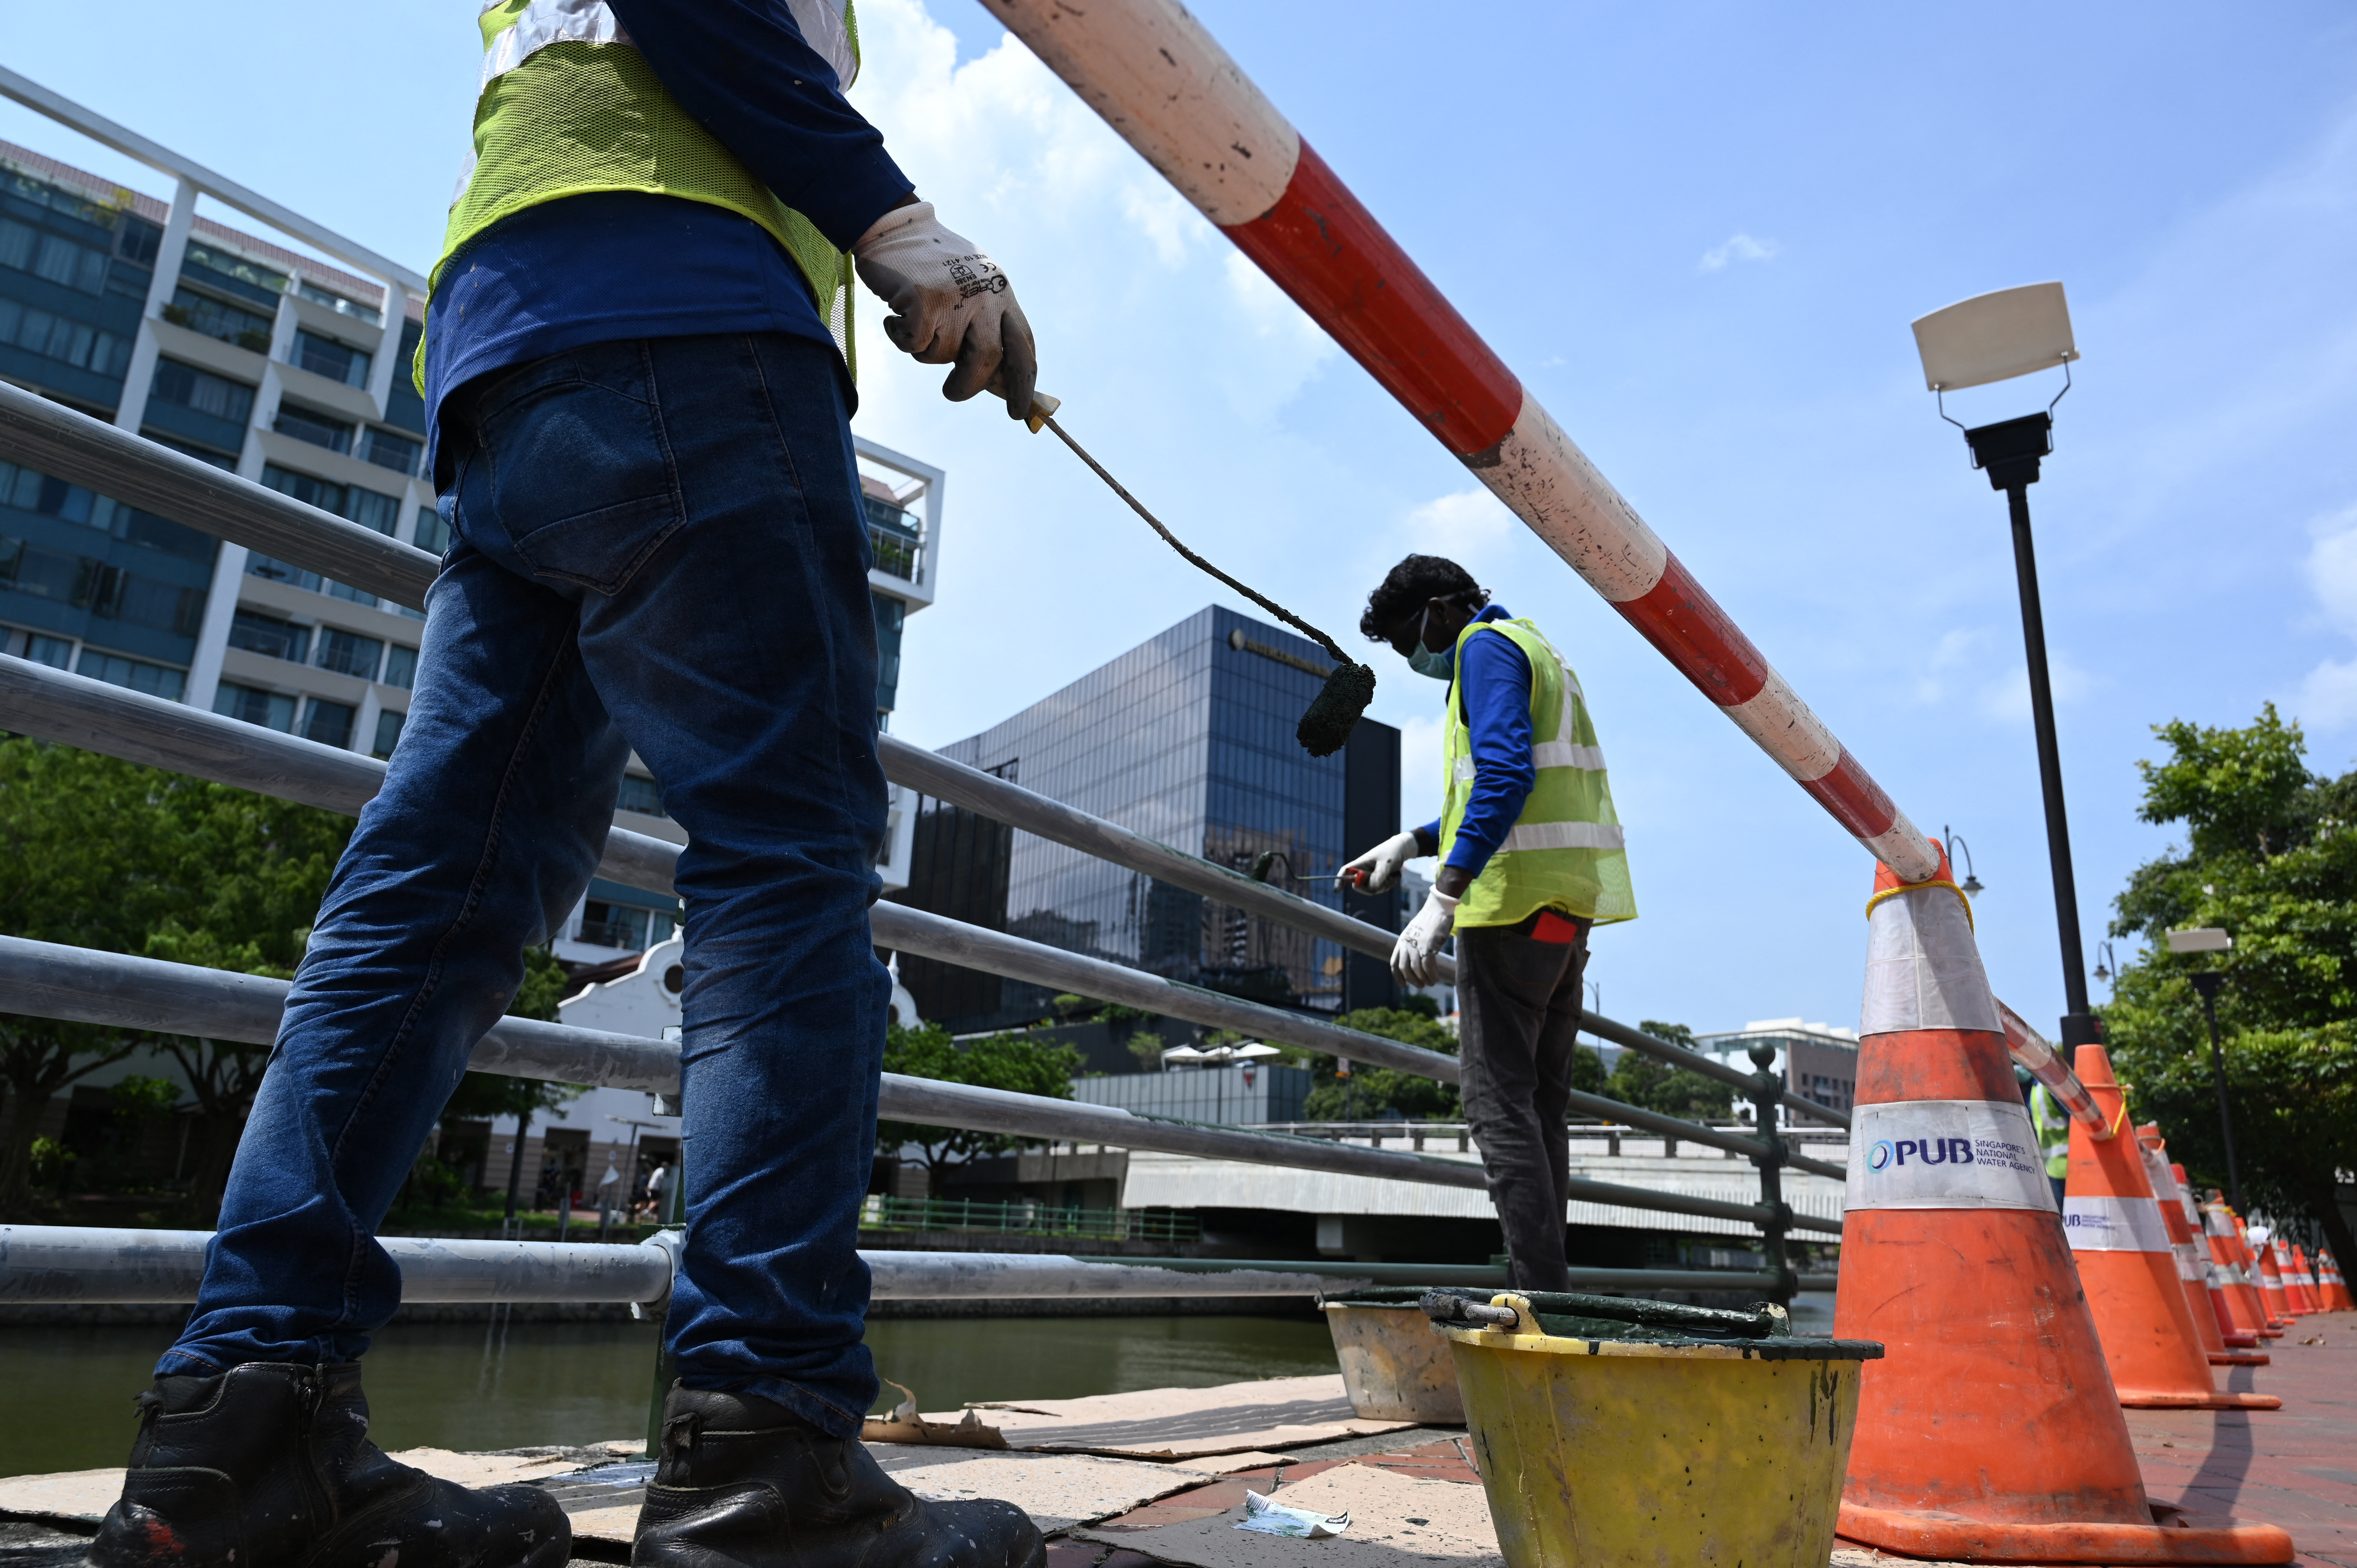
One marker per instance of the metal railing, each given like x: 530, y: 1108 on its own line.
x: 1020, y: 1218
x: 37, y: 701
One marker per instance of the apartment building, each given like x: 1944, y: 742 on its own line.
x: 289, y: 367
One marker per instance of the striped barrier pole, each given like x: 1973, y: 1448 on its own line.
x: 1164, y: 83
x: 2031, y: 1048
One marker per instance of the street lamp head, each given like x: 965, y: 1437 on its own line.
x: 1995, y: 337
x: 1972, y: 883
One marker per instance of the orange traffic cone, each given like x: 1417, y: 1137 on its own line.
x: 2239, y: 1315
x: 2336, y: 1287
x: 1989, y: 1433
x: 2271, y: 1290
x: 2126, y: 1266
x: 2192, y: 1272
x: 2303, y: 1282
x: 2270, y: 1326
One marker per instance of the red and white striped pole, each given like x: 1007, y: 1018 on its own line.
x: 1161, y: 80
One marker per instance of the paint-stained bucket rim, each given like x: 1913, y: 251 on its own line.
x: 1779, y: 1350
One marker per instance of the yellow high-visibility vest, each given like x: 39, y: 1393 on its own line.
x: 1565, y: 849
x: 568, y: 106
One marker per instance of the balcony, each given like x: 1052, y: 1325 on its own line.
x: 1028, y: 1219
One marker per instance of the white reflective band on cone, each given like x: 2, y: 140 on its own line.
x: 1945, y: 1153
x: 2114, y: 1225
x: 1923, y: 969
x: 2188, y: 1265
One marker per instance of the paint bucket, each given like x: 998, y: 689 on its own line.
x: 1613, y: 1431
x: 1396, y: 1365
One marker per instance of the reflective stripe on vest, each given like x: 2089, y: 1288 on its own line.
x: 593, y: 116
x: 1567, y: 849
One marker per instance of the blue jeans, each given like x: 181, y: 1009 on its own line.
x: 660, y: 545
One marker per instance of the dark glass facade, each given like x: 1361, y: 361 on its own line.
x: 1187, y: 739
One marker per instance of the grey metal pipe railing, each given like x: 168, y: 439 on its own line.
x: 88, y: 1264
x: 85, y: 451
x: 81, y: 985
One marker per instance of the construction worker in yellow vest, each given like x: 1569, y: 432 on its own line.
x: 637, y: 365
x: 2053, y: 1124
x: 1530, y: 860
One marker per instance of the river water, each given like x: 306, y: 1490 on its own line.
x: 461, y: 1386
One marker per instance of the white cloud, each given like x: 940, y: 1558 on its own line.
x: 1739, y: 248
x: 2006, y: 698
x: 1419, y: 769
x: 1466, y: 526
x: 2328, y: 697
x: 1297, y: 345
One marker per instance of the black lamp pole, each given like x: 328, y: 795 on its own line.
x: 2009, y: 451
x: 2207, y: 982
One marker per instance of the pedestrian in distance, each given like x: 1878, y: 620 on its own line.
x: 1531, y: 860
x: 637, y: 371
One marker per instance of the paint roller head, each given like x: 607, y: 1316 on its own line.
x: 1334, y: 714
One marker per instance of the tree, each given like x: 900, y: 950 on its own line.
x: 1013, y: 1062
x: 1652, y: 1084
x: 2271, y: 856
x: 1374, y: 1093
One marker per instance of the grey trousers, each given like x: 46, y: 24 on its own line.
x: 1518, y: 1005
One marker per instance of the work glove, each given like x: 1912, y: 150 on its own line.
x: 1380, y: 866
x: 951, y: 305
x: 1414, y: 955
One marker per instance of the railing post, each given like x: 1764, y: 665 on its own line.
x: 1767, y: 1095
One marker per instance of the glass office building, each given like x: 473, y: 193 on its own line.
x: 1187, y: 738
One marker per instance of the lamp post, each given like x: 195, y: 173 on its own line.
x: 1994, y: 338
x: 2210, y: 939
x: 1954, y: 841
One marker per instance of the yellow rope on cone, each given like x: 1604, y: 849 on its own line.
x: 1927, y: 881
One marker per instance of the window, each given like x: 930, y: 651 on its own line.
x: 270, y: 571
x: 52, y: 256
x: 326, y: 356
x: 305, y: 425
x: 433, y: 534
x: 388, y: 733
x: 270, y: 710
x: 370, y: 510
x: 325, y: 494
x: 57, y: 652
x: 894, y: 538
x: 224, y: 460
x: 138, y: 240
x: 329, y: 724
x: 340, y: 305
x: 153, y: 679
x: 60, y: 337
x: 219, y: 269
x: 267, y: 634
x: 202, y: 312
x: 350, y: 594
x: 387, y: 450
x: 622, y: 926
x: 642, y: 795
x: 202, y: 391
x: 348, y: 653
x: 400, y: 667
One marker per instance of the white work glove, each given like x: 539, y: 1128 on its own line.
x: 1380, y: 866
x: 1419, y: 945
x: 951, y: 305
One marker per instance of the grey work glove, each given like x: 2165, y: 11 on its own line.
x: 1415, y: 956
x: 951, y: 305
x: 1380, y: 866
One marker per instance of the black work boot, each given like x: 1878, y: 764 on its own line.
x: 269, y: 1465
x: 743, y: 1481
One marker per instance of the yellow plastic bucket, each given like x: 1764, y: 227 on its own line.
x: 1688, y: 1442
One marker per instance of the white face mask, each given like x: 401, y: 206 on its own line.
x: 1440, y: 666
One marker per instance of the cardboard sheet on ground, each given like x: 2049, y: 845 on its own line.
x: 1180, y: 1423
x: 1395, y: 1521
x: 1058, y: 1490
x: 88, y: 1494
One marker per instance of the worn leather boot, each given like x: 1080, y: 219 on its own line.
x: 269, y: 1465
x: 744, y: 1482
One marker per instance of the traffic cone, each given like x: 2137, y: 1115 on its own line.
x: 2126, y: 1266
x: 2270, y: 1326
x: 1989, y: 1433
x: 2336, y: 1287
x: 2239, y: 1315
x: 2304, y: 1282
x: 2192, y: 1259
x: 2271, y: 1290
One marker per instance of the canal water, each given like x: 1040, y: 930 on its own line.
x: 460, y: 1386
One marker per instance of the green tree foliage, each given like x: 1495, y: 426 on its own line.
x: 1650, y: 1084
x: 993, y: 1062
x: 1374, y: 1093
x: 2271, y: 856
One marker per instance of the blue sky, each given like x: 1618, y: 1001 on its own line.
x: 1698, y: 233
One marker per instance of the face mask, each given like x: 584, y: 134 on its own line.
x: 1440, y: 666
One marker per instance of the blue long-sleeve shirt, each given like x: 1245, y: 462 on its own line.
x: 1496, y: 679
x: 614, y: 264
